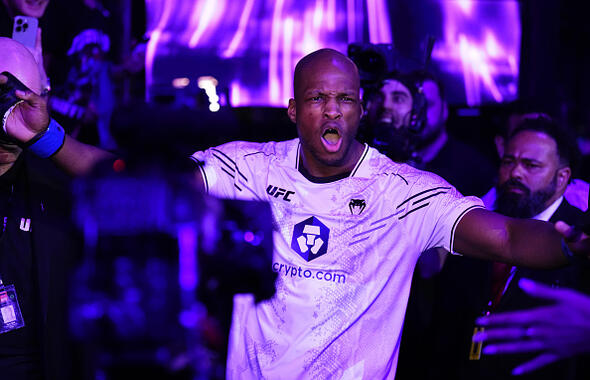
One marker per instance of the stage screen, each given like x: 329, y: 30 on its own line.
x: 251, y: 47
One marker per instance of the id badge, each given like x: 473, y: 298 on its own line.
x: 11, y: 317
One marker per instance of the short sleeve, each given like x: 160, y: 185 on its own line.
x: 438, y: 209
x: 225, y: 172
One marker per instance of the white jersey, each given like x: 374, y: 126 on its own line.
x: 344, y: 252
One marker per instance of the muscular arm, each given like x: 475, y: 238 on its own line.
x: 487, y: 235
x: 79, y: 159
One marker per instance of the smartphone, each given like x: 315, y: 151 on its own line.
x: 25, y: 30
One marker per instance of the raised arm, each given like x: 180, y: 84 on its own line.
x: 30, y: 118
x: 487, y: 235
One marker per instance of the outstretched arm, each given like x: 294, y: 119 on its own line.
x: 487, y: 235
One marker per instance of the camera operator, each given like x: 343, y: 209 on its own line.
x: 407, y: 120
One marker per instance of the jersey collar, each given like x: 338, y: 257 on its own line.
x: 355, y: 172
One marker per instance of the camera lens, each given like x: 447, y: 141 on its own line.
x: 18, y: 29
x: 19, y: 21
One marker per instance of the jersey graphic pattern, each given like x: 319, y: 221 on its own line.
x: 344, y: 251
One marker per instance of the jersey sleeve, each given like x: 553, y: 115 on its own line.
x: 224, y: 172
x: 443, y: 208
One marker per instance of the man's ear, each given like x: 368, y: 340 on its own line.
x: 563, y: 177
x: 291, y: 111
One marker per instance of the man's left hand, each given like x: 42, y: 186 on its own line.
x: 29, y: 117
x: 577, y: 241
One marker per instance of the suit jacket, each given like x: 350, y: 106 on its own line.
x: 574, y: 276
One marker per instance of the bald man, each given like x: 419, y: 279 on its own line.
x: 349, y: 226
x: 36, y: 247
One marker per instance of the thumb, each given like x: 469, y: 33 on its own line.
x: 30, y: 97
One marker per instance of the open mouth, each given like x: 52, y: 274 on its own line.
x: 331, y: 139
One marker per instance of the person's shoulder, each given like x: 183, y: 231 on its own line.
x: 380, y: 164
x: 247, y: 148
x: 237, y: 150
x: 568, y: 213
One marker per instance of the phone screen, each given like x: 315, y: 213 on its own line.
x: 25, y: 30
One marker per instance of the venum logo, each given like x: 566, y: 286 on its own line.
x: 310, y: 238
x: 275, y: 191
x: 357, y: 206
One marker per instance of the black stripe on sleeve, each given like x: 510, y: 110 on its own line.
x: 422, y: 192
x: 204, y: 178
x: 412, y: 210
x: 429, y: 196
x: 224, y: 155
x: 230, y: 167
x: 228, y: 173
x: 358, y: 165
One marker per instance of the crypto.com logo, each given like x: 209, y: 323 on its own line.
x: 310, y: 238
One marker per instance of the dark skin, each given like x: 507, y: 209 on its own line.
x: 327, y: 111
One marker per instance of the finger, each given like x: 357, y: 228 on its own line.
x: 509, y: 333
x: 570, y: 233
x: 28, y: 96
x: 539, y: 290
x: 521, y: 318
x: 514, y: 347
x: 3, y: 79
x: 538, y: 362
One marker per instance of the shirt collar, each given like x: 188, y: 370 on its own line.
x: 356, y: 171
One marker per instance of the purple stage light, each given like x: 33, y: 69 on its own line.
x: 252, y: 48
x: 481, y: 43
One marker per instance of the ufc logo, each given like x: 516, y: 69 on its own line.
x: 278, y: 192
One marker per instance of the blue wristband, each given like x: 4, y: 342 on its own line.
x: 50, y: 141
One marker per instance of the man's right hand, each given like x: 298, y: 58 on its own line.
x: 29, y: 117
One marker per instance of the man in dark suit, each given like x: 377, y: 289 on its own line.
x: 534, y: 172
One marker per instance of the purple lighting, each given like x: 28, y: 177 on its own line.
x: 379, y: 28
x: 482, y: 43
x: 252, y: 46
x: 238, y: 37
x: 187, y: 261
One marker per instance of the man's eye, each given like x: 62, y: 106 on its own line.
x: 315, y: 98
x: 532, y: 165
x: 506, y: 162
x: 347, y: 99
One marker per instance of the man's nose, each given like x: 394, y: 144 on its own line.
x: 516, y: 171
x: 332, y: 109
